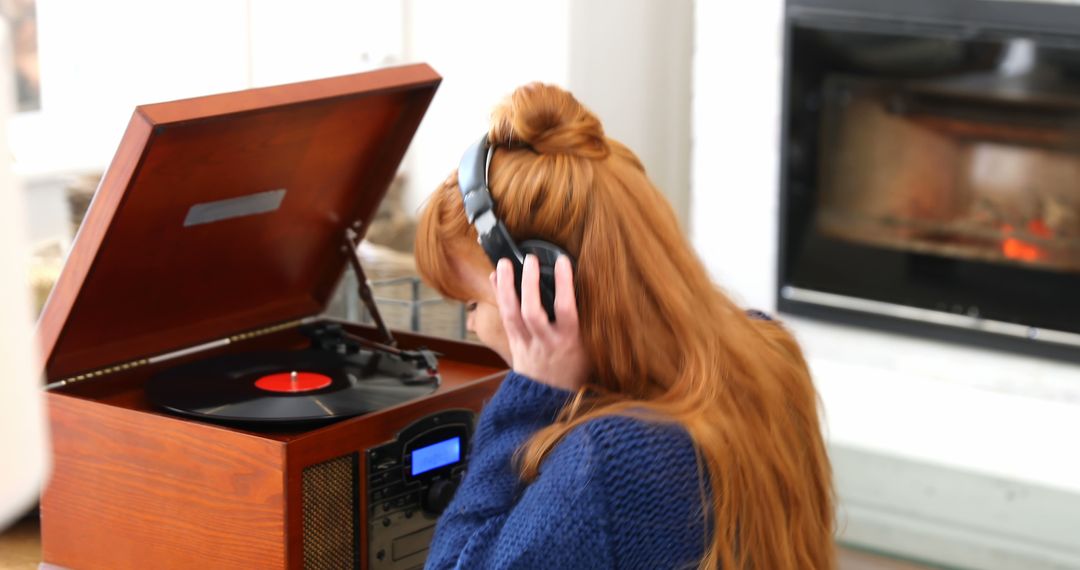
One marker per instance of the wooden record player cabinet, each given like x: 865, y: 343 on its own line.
x: 219, y: 228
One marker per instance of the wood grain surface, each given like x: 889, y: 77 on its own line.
x: 141, y: 280
x: 137, y: 490
x: 134, y: 486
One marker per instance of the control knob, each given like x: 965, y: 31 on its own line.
x: 438, y: 496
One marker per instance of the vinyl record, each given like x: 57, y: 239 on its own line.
x: 261, y: 388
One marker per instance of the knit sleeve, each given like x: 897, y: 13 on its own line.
x: 494, y: 521
x: 616, y: 492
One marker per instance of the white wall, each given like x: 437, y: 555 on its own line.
x: 100, y: 59
x: 736, y: 117
x: 483, y: 49
x: 22, y: 417
x: 627, y: 60
x: 949, y: 453
x: 296, y: 41
x: 630, y: 63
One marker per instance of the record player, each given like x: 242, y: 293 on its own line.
x: 202, y: 413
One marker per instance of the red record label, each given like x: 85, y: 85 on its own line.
x: 293, y: 382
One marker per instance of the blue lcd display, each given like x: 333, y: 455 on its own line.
x: 436, y: 455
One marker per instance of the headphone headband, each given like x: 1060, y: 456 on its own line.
x: 492, y: 233
x: 479, y: 206
x: 472, y: 178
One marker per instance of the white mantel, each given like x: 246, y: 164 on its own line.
x: 947, y: 453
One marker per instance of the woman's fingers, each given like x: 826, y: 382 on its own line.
x: 532, y: 310
x: 566, y: 317
x: 506, y: 296
x: 552, y: 353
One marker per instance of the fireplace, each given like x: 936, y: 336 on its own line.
x: 930, y: 178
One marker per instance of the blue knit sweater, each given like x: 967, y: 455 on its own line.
x: 616, y: 492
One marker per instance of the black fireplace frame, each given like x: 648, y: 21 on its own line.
x: 965, y: 19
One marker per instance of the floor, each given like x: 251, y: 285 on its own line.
x: 20, y: 549
x: 20, y: 546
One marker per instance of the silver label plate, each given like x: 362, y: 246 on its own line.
x: 209, y: 212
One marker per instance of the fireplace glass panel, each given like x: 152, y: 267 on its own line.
x: 914, y: 171
x: 933, y: 169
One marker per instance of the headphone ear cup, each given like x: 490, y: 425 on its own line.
x: 546, y: 254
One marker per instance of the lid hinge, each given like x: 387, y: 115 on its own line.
x: 98, y: 373
x: 178, y: 353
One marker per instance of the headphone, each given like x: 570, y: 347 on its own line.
x: 493, y: 236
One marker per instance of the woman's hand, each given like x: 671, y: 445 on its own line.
x: 551, y: 353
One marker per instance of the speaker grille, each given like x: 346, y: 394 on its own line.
x: 331, y: 514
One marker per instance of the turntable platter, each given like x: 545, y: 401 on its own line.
x: 287, y: 387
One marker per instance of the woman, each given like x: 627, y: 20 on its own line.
x: 653, y: 424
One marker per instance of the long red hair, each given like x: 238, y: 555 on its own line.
x: 664, y: 341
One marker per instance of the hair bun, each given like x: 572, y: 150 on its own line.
x: 550, y: 120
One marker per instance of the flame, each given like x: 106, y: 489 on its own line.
x: 1039, y: 228
x: 1016, y: 249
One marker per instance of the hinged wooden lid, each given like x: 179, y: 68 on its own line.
x: 225, y: 213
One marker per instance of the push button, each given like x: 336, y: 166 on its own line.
x: 384, y: 465
x: 402, y: 501
x: 387, y: 492
x: 380, y: 478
